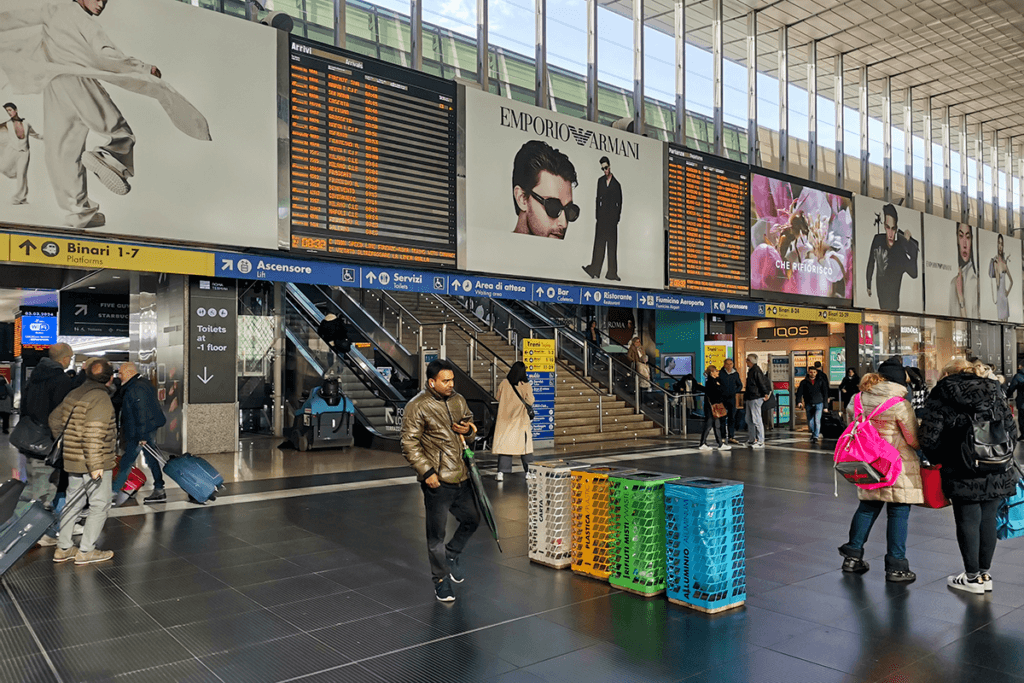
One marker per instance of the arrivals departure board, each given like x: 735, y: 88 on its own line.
x: 372, y: 158
x: 708, y: 205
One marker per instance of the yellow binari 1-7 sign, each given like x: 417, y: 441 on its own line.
x: 71, y: 253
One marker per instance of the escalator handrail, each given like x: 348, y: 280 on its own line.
x: 392, y: 301
x: 447, y: 305
x: 460, y: 330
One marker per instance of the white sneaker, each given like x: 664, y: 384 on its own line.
x: 725, y: 447
x: 986, y: 579
x: 704, y: 447
x: 114, y: 181
x: 759, y: 444
x: 500, y: 476
x: 961, y: 583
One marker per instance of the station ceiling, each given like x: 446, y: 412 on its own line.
x: 968, y: 54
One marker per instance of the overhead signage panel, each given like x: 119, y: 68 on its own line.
x: 821, y: 314
x: 94, y: 315
x: 69, y: 253
x: 397, y: 280
x: 277, y: 269
x: 213, y: 330
x: 610, y: 297
x: 490, y: 287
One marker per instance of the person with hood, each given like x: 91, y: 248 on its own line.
x: 712, y: 394
x: 892, y: 370
x: 809, y: 395
x: 956, y: 401
x: 849, y: 386
x: 513, y: 430
x: 732, y: 384
x: 898, y: 426
x: 6, y: 403
x: 1015, y: 390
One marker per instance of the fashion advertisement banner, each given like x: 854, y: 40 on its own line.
x: 950, y: 268
x: 142, y: 119
x: 888, y: 257
x: 801, y: 241
x: 552, y: 196
x: 999, y: 277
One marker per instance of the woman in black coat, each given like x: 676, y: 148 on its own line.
x: 712, y: 394
x: 947, y: 416
x: 849, y: 387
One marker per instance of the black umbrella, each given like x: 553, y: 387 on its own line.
x: 483, y: 503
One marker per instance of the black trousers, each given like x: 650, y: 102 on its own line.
x: 458, y: 500
x: 976, y: 533
x: 606, y: 237
x: 710, y: 422
x: 729, y: 421
x: 5, y: 418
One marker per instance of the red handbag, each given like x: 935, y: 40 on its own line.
x: 931, y: 483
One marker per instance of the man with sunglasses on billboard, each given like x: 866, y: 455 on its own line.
x: 542, y: 182
x: 606, y: 234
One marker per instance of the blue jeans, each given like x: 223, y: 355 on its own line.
x: 131, y: 454
x: 814, y: 418
x: 895, y: 531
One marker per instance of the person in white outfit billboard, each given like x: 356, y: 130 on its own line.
x: 66, y: 61
x: 15, y: 152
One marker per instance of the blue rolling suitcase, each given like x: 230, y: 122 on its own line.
x: 196, y: 477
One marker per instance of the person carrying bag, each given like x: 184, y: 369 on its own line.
x: 513, y: 428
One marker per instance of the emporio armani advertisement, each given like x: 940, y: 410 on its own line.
x: 951, y: 268
x: 889, y: 257
x: 557, y: 197
x: 999, y: 277
x: 143, y: 119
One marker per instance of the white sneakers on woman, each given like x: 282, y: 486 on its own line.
x: 961, y: 582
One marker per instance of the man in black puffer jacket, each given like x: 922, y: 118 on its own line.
x: 141, y: 416
x: 946, y: 419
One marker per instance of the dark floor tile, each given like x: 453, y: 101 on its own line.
x: 330, y: 559
x: 936, y: 668
x: 230, y: 633
x: 233, y: 557
x: 298, y: 588
x: 17, y: 642
x: 301, y: 546
x: 276, y: 660
x: 329, y: 610
x: 766, y: 666
x: 104, y: 598
x: 258, y: 572
x: 528, y: 641
x: 368, y: 574
x: 188, y: 545
x: 96, y: 661
x: 173, y: 587
x: 188, y: 671
x: 462, y: 615
x: 201, y: 607
x: 517, y: 676
x: 124, y: 575
x: 401, y: 594
x: 376, y: 635
x: 118, y: 623
x: 29, y: 669
x: 603, y: 663
x: 448, y: 661
x: 349, y: 673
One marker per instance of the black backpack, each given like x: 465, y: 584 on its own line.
x: 988, y: 448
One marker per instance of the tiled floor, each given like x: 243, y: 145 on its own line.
x: 334, y: 587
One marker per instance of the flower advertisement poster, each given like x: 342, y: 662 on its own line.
x: 801, y: 241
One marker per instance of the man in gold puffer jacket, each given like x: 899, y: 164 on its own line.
x: 431, y: 425
x: 89, y: 454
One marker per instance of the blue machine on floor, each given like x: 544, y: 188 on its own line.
x: 325, y: 418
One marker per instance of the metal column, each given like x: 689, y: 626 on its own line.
x: 839, y: 95
x: 639, y: 115
x: 680, y: 36
x: 592, y: 103
x: 964, y: 209
x: 280, y: 354
x: 929, y: 190
x: 812, y: 110
x: 540, y: 77
x: 947, y: 165
x: 1020, y: 190
x: 979, y: 156
x: 340, y: 28
x: 862, y: 105
x: 994, y: 155
x: 784, y: 99
x: 908, y: 147
x: 1009, y: 186
x: 752, y: 88
x: 416, y: 33
x: 717, y: 64
x: 887, y: 138
x: 483, y: 49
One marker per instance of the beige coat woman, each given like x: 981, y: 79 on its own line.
x: 513, y: 430
x: 898, y: 426
x: 639, y: 359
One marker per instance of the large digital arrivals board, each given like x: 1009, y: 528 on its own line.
x: 372, y: 158
x: 708, y: 208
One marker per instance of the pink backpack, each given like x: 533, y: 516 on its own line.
x: 862, y: 456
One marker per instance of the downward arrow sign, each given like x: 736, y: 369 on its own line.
x: 205, y: 377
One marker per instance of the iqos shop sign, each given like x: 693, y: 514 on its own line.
x: 793, y: 331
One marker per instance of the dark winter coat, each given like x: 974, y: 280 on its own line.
x: 757, y: 384
x: 47, y: 386
x: 945, y: 420
x: 810, y: 392
x: 712, y: 392
x: 1017, y: 387
x: 848, y: 387
x: 732, y: 383
x: 141, y: 414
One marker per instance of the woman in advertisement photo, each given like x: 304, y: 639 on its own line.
x: 1002, y: 282
x: 801, y: 240
x: 963, y: 290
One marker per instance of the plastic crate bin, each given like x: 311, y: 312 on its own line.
x: 705, y: 542
x: 549, y: 487
x: 591, y: 527
x: 637, y: 547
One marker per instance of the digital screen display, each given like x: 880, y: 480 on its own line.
x: 801, y: 241
x: 677, y: 365
x: 372, y: 159
x: 708, y: 208
x: 37, y: 330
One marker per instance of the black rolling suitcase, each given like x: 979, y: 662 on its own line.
x: 832, y: 425
x: 10, y: 494
x: 22, y: 533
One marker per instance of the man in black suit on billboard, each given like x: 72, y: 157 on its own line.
x: 606, y: 235
x: 894, y: 253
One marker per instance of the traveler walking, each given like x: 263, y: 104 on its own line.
x: 6, y: 404
x: 756, y: 393
x: 849, y: 386
x: 141, y: 416
x: 433, y: 421
x: 513, y: 430
x: 713, y: 397
x: 898, y: 426
x: 732, y: 384
x: 810, y: 395
x: 89, y: 453
x: 1015, y: 390
x: 949, y: 419
x: 638, y: 357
